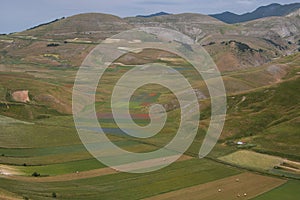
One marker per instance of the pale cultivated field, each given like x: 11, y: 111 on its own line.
x: 253, y: 160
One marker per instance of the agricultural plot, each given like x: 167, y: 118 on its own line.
x: 245, y: 186
x: 124, y: 185
x: 253, y: 160
x: 289, y: 190
x: 263, y: 163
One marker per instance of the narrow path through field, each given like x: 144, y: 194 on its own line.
x: 85, y: 174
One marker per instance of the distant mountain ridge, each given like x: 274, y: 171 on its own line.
x: 154, y: 15
x: 274, y: 9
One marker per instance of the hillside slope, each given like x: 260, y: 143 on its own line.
x: 89, y: 26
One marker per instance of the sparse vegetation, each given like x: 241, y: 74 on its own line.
x: 44, y: 24
x: 239, y: 45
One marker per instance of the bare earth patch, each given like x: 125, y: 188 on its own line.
x: 9, y: 171
x: 242, y: 186
x: 21, y: 96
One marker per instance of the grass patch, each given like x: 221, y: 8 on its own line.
x: 252, y: 160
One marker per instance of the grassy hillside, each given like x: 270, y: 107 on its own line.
x: 87, y: 27
x: 268, y: 118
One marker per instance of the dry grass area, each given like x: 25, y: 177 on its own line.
x: 5, y: 195
x: 65, y: 177
x: 9, y: 171
x: 259, y: 161
x: 290, y: 166
x: 252, y: 160
x: 242, y: 186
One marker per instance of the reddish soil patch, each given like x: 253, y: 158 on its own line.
x: 21, y: 96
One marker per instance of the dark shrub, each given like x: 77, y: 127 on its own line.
x: 35, y: 174
x: 54, y: 195
x: 52, y: 45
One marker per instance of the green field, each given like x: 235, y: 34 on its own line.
x: 290, y: 191
x: 124, y: 185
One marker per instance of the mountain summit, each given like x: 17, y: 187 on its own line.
x: 261, y: 12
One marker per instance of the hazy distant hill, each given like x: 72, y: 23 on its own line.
x: 154, y: 15
x: 261, y: 12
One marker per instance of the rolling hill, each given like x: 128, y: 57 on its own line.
x: 89, y: 26
x: 62, y: 45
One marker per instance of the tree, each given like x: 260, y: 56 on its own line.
x: 35, y: 174
x: 54, y: 195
